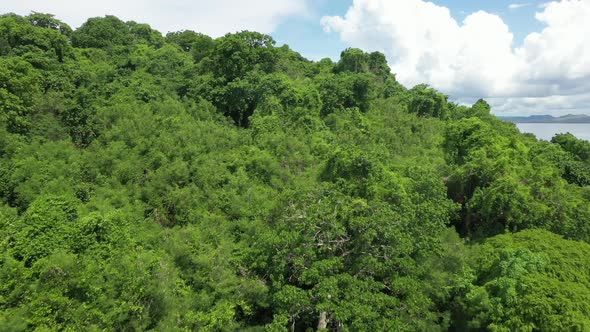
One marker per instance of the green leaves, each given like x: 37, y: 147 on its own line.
x: 529, y: 281
x: 237, y: 54
x: 190, y: 183
x: 19, y: 86
x: 345, y: 91
x: 102, y: 32
x: 428, y: 102
x: 45, y: 227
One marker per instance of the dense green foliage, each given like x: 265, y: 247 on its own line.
x: 528, y: 281
x: 181, y: 182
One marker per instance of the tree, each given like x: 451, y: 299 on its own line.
x: 19, y: 86
x: 102, y: 32
x: 237, y: 54
x: 573, y: 145
x: 352, y: 60
x: 49, y: 21
x: 344, y: 91
x: 531, y: 280
x: 356, y: 61
x: 43, y: 229
x: 428, y: 102
x: 481, y: 108
x: 39, y: 39
x: 143, y: 33
x: 200, y: 46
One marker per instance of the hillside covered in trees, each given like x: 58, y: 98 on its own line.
x: 184, y: 183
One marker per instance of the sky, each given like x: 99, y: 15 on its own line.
x: 523, y: 57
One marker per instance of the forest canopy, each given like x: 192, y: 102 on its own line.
x: 190, y: 183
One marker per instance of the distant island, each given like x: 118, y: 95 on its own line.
x: 570, y: 118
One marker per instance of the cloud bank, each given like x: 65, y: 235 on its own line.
x: 214, y: 18
x: 477, y: 57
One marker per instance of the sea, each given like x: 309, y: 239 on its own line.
x: 547, y: 130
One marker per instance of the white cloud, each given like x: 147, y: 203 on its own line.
x: 514, y: 6
x: 543, y: 4
x: 477, y: 57
x: 211, y: 17
x: 556, y: 105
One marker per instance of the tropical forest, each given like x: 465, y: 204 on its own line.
x: 180, y: 182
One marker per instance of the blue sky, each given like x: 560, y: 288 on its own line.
x: 524, y: 57
x: 306, y: 35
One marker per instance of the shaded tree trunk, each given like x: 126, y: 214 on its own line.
x: 323, y: 321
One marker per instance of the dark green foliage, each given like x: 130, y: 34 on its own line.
x: 356, y: 61
x: 576, y: 164
x: 102, y: 32
x: 19, y: 86
x: 144, y: 34
x: 197, y: 184
x: 481, y: 108
x: 428, y: 102
x: 38, y: 38
x: 235, y: 55
x: 577, y: 147
x: 344, y: 91
x: 198, y: 45
x: 49, y: 21
x: 503, y: 186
